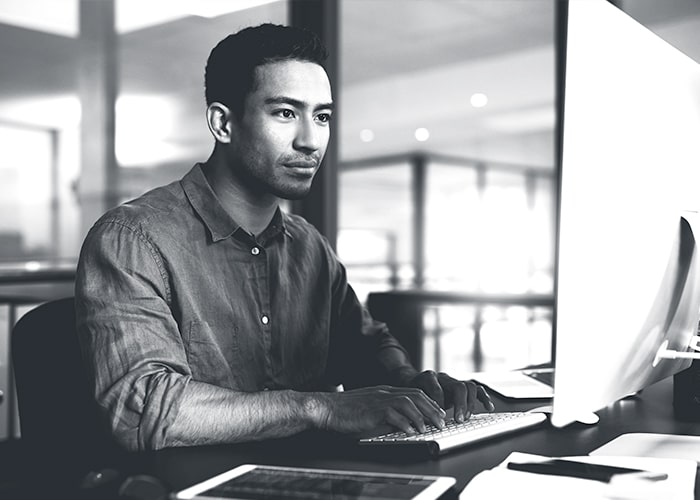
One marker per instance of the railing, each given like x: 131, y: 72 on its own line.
x: 402, y: 311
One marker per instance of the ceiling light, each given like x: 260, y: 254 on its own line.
x: 479, y: 100
x: 366, y: 135
x: 422, y: 134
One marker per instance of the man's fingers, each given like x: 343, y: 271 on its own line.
x: 456, y: 394
x: 419, y: 395
x: 408, y: 408
x: 430, y: 397
x: 398, y: 420
x: 464, y: 396
x: 418, y: 408
x: 471, y: 398
x: 428, y: 381
x: 484, y: 397
x: 431, y: 412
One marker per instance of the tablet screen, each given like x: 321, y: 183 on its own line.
x: 261, y: 482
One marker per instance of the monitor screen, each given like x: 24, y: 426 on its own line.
x: 627, y: 279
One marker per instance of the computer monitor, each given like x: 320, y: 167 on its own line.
x: 627, y: 283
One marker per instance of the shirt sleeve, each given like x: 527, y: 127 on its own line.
x: 362, y: 350
x: 130, y: 340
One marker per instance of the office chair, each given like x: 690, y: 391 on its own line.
x: 59, y: 420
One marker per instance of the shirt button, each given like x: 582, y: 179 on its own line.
x: 255, y: 250
x: 265, y: 320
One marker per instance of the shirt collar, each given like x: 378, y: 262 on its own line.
x: 277, y: 226
x: 219, y: 223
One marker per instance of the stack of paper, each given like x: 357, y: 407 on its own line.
x: 643, y: 444
x: 501, y: 482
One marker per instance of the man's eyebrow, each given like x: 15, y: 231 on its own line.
x: 298, y: 103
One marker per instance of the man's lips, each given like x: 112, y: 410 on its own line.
x: 301, y: 164
x: 301, y: 169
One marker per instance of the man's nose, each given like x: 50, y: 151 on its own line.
x: 308, y: 136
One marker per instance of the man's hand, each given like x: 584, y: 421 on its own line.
x: 405, y: 408
x: 449, y: 392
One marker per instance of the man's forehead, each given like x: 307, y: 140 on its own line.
x: 301, y: 80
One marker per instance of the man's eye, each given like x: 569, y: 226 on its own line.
x: 286, y: 113
x: 324, y: 117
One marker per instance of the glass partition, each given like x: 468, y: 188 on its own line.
x: 160, y: 49
x: 468, y: 104
x: 375, y: 221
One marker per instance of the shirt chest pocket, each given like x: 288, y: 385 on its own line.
x: 213, y: 354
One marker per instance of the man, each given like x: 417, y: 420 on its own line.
x: 206, y: 315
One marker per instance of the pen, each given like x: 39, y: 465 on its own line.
x: 583, y: 470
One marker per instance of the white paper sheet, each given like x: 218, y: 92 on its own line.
x: 644, y: 444
x: 501, y: 482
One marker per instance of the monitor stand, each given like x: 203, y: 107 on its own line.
x: 585, y: 418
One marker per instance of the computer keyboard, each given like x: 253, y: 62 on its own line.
x: 480, y: 426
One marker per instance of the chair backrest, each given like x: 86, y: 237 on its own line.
x: 59, y: 418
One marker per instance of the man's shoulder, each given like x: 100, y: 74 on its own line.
x: 298, y: 226
x: 305, y: 235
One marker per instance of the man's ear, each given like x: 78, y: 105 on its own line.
x: 219, y: 121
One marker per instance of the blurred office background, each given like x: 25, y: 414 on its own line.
x: 443, y: 163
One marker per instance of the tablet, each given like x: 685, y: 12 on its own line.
x: 250, y: 481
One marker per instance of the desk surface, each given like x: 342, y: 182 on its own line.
x: 651, y: 411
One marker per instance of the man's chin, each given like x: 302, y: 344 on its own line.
x: 293, y: 193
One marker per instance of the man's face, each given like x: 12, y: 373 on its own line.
x: 279, y: 141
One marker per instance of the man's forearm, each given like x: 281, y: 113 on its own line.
x: 210, y: 414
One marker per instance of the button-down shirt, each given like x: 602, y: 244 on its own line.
x: 171, y: 289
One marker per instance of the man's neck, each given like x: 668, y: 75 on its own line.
x: 253, y: 211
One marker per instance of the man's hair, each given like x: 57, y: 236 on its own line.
x: 230, y: 72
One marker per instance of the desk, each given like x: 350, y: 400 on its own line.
x: 650, y: 412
